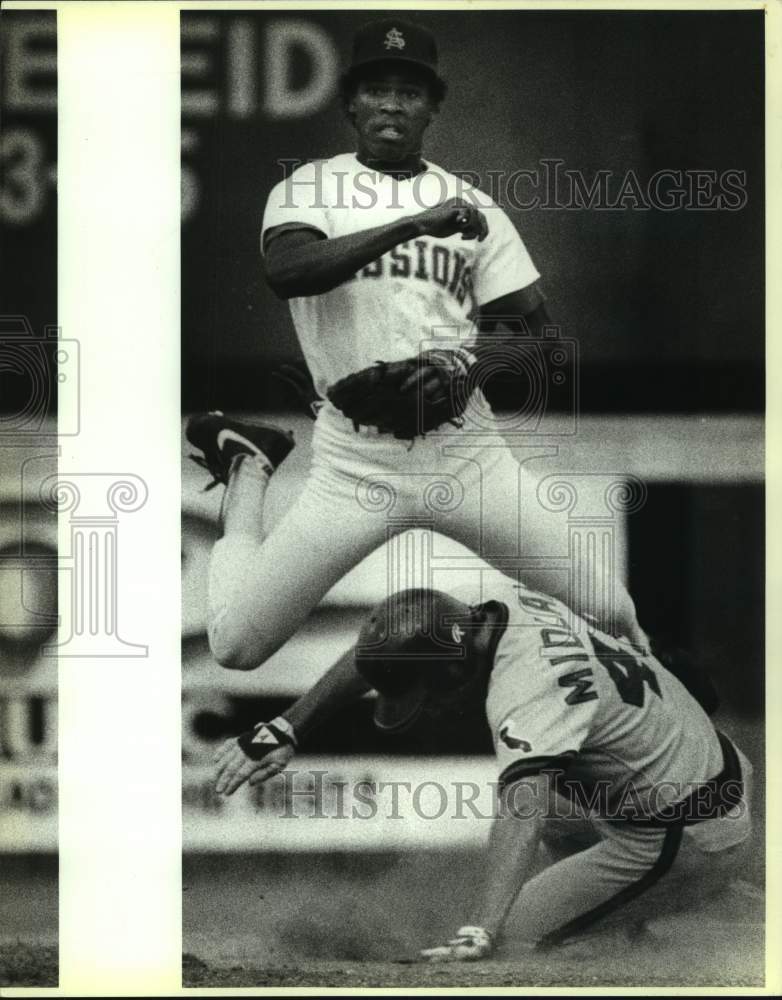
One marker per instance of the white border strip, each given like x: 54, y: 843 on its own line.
x: 120, y: 746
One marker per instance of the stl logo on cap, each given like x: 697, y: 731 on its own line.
x: 394, y: 39
x: 457, y: 634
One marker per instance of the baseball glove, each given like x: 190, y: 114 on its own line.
x: 406, y: 398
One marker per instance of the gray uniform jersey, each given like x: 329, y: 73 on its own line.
x: 563, y: 695
x: 630, y: 736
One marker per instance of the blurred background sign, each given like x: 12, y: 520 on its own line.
x: 28, y: 444
x: 28, y: 619
x: 28, y: 166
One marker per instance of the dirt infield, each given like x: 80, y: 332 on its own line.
x: 492, y: 974
x: 359, y: 921
x: 269, y: 920
x: 23, y: 964
x: 28, y: 920
x: 681, y: 955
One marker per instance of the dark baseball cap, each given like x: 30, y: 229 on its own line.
x: 396, y: 40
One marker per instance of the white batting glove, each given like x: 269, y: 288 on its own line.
x: 469, y: 945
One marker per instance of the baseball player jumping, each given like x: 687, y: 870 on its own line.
x: 378, y: 252
x: 605, y: 758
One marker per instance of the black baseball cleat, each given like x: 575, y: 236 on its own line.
x: 221, y: 439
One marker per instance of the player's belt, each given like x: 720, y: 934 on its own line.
x: 710, y: 799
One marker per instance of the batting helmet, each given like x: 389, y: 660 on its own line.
x: 414, y: 646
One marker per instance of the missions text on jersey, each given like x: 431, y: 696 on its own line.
x: 391, y: 305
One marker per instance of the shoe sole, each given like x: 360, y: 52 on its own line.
x: 206, y: 432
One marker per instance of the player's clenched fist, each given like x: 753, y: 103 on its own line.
x: 261, y: 752
x: 454, y: 216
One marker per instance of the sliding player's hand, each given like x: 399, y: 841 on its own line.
x: 469, y: 945
x: 259, y: 753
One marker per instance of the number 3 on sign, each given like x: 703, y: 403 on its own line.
x: 24, y: 176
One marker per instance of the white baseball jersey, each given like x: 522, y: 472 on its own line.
x: 420, y: 289
x: 564, y: 696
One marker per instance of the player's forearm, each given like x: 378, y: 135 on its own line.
x: 501, y: 349
x: 522, y: 311
x: 338, y: 687
x: 323, y: 265
x: 501, y: 329
x: 513, y: 844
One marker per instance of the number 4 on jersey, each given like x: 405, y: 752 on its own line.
x: 628, y: 673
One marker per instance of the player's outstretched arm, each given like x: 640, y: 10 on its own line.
x: 513, y: 845
x: 303, y: 262
x: 339, y: 686
x: 268, y: 748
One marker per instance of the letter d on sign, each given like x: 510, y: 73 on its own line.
x: 282, y: 37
